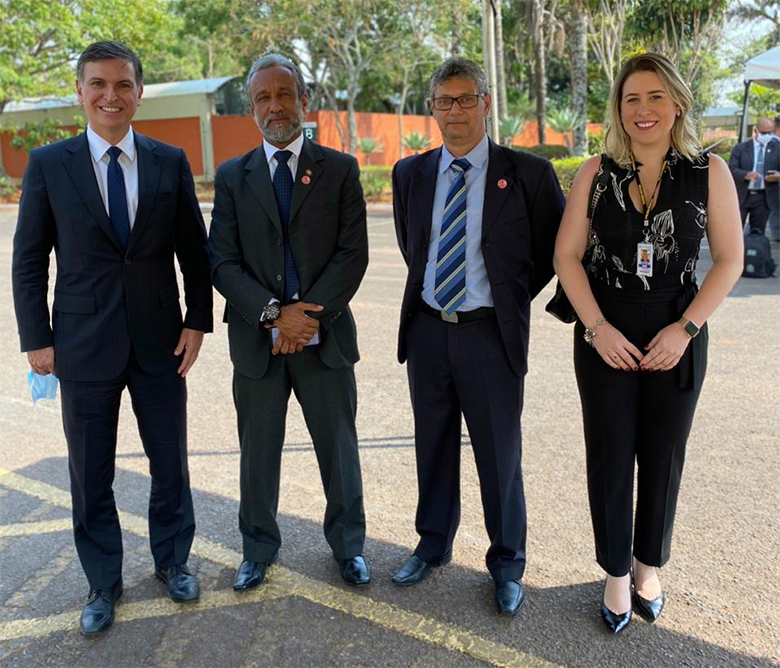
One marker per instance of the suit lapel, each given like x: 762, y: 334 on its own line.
x: 306, y: 175
x: 495, y: 195
x: 149, y: 166
x: 425, y: 191
x: 78, y: 165
x: 258, y: 177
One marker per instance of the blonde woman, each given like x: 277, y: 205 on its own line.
x: 640, y: 342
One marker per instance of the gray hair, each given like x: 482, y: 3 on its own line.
x: 276, y: 60
x: 458, y: 68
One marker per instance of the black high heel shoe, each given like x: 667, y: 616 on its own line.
x: 614, y: 622
x: 649, y: 609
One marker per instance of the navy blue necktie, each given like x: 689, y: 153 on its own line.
x: 283, y: 186
x: 450, y: 284
x: 117, y: 198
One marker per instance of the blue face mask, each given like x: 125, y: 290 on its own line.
x: 764, y: 137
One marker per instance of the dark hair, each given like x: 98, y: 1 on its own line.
x: 98, y: 51
x: 458, y: 68
x: 276, y: 60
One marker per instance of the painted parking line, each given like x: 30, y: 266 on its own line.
x: 281, y: 582
x: 34, y: 528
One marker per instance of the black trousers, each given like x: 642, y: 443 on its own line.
x: 758, y: 208
x: 456, y: 368
x: 90, y: 414
x: 643, y: 417
x: 328, y: 398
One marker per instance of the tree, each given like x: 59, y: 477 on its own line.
x: 564, y: 120
x: 415, y: 141
x: 606, y: 33
x: 509, y: 127
x: 577, y: 23
x: 367, y: 146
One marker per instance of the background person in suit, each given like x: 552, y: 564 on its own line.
x: 476, y: 224
x: 289, y: 248
x: 774, y: 215
x: 755, y: 165
x: 116, y: 207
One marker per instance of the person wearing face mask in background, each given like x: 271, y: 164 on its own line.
x: 755, y: 165
x: 640, y: 342
x: 774, y: 215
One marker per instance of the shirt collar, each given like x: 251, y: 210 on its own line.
x: 98, y: 146
x: 477, y: 156
x: 295, y: 147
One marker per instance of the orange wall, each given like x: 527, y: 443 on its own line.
x: 233, y: 135
x: 183, y: 132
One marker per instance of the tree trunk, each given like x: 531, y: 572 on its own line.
x: 351, y: 122
x: 578, y: 53
x: 540, y: 74
x: 401, y: 105
x: 503, y: 103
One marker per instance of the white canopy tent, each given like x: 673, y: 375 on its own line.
x: 763, y: 70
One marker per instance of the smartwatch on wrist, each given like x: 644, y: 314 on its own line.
x: 690, y: 327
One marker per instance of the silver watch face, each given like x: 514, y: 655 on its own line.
x: 271, y: 312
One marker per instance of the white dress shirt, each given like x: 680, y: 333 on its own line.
x: 295, y: 147
x: 98, y: 148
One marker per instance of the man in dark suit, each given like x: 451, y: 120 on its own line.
x: 755, y: 165
x: 476, y: 224
x: 289, y: 248
x: 116, y: 207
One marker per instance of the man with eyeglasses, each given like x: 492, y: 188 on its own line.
x: 476, y: 224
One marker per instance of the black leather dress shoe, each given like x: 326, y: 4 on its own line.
x: 613, y: 621
x: 98, y: 613
x: 509, y: 597
x: 416, y: 570
x: 650, y: 610
x: 355, y: 571
x: 250, y: 574
x: 182, y: 584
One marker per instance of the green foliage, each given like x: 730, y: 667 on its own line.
x: 549, y: 151
x: 376, y: 180
x: 369, y: 145
x: 762, y: 101
x: 566, y: 169
x: 416, y: 141
x: 508, y: 127
x: 596, y: 142
x: 47, y: 131
x: 6, y: 187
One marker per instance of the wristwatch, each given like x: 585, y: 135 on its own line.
x: 690, y: 327
x: 271, y: 312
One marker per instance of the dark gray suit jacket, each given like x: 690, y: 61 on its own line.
x: 741, y: 162
x: 329, y: 243
x: 106, y: 300
x: 519, y: 223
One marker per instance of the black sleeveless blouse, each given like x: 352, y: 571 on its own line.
x: 676, y: 226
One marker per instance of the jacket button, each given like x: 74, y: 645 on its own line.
x: 278, y: 242
x: 279, y: 277
x: 127, y: 261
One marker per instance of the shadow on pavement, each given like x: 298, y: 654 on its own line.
x: 559, y: 625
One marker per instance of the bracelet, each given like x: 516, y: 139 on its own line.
x: 590, y: 334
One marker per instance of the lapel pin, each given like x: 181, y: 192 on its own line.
x: 308, y: 172
x: 501, y: 183
x: 305, y: 180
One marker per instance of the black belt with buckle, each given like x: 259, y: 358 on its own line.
x: 459, y: 316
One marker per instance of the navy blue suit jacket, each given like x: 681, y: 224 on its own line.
x: 108, y: 301
x: 519, y: 225
x: 741, y: 162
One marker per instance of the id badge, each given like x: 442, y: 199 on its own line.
x: 644, y: 259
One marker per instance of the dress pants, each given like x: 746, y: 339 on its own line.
x: 636, y: 416
x: 90, y: 412
x: 756, y: 205
x: 328, y: 398
x: 463, y: 367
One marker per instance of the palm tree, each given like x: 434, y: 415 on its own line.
x: 508, y: 127
x: 564, y: 120
x: 416, y: 141
x: 369, y: 145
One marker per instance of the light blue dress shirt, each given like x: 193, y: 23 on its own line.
x: 477, y: 284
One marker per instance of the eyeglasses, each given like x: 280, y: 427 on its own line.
x: 464, y: 102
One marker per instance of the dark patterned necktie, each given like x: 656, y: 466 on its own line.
x: 283, y: 186
x: 450, y: 287
x: 117, y: 198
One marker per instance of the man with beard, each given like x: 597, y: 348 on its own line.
x: 289, y: 248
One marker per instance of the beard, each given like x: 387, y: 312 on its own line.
x: 281, y: 134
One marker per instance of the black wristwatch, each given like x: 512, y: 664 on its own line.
x: 271, y: 312
x: 690, y: 327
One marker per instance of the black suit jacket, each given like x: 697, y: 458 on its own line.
x: 741, y: 162
x: 329, y: 243
x: 519, y: 225
x: 107, y: 301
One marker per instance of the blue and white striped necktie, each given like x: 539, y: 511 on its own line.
x: 450, y: 286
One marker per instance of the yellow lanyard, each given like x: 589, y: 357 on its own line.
x: 647, y: 205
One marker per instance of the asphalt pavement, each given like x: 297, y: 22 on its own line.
x: 722, y: 583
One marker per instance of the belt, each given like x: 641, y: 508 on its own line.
x: 459, y: 316
x: 756, y: 192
